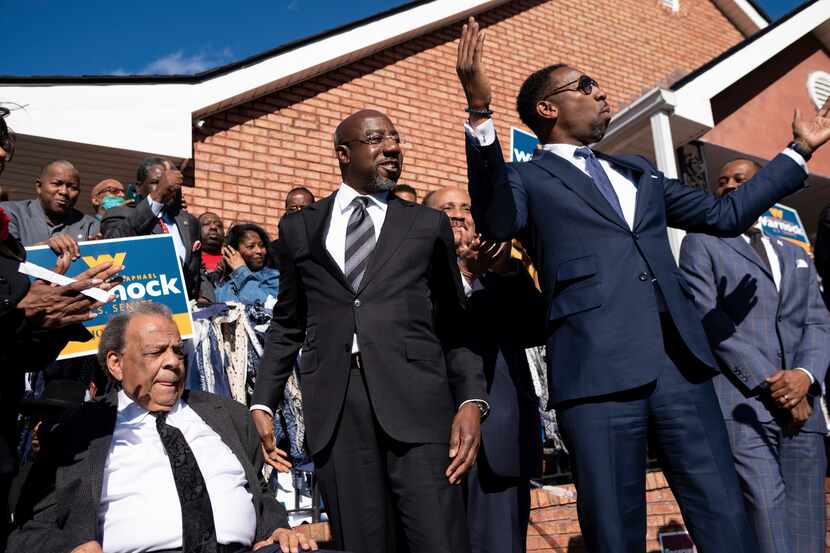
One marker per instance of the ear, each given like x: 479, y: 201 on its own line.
x: 547, y: 110
x: 115, y: 365
x: 343, y: 154
x: 38, y: 185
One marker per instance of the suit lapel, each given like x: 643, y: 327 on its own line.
x: 579, y: 183
x: 99, y: 447
x: 742, y: 247
x: 183, y: 224
x: 642, y: 177
x: 786, y: 268
x: 316, y: 218
x: 396, y: 225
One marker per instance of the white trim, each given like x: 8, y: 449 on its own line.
x: 752, y: 13
x: 667, y: 164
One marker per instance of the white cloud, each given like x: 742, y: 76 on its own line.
x: 179, y: 63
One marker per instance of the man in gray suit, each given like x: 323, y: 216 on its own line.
x: 770, y: 331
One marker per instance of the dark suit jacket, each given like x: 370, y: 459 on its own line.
x: 595, y: 272
x: 822, y: 251
x: 139, y: 220
x: 508, y: 316
x: 783, y: 330
x: 61, y: 497
x: 409, y: 314
x: 25, y: 348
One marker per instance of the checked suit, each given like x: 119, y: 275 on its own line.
x: 755, y: 331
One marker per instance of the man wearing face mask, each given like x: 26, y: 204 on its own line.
x: 107, y: 194
x: 159, y: 211
x: 393, y: 395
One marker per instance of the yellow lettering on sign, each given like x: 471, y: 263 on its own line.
x: 777, y: 213
x: 105, y: 258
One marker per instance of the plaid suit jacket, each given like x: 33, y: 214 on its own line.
x: 756, y: 330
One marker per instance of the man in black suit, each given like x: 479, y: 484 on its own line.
x: 506, y: 317
x: 370, y: 289
x: 627, y: 354
x: 159, y: 211
x: 186, y: 464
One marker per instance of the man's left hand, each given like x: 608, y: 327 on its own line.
x: 290, y: 541
x: 788, y: 388
x: 465, y: 438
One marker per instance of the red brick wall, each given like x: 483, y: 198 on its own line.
x: 554, y: 527
x: 253, y: 154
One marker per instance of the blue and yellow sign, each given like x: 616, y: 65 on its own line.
x: 783, y: 222
x: 151, y: 273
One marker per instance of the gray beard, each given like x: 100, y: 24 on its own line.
x: 380, y: 184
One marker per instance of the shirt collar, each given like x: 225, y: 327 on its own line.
x: 345, y: 195
x: 130, y: 411
x: 562, y: 150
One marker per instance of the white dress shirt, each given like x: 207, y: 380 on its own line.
x: 138, y: 483
x: 340, y: 213
x: 158, y: 210
x: 775, y: 269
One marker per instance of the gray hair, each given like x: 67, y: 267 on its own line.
x: 115, y: 333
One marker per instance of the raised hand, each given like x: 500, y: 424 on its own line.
x: 470, y: 69
x: 812, y: 133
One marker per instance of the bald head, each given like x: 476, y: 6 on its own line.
x: 368, y: 150
x: 455, y: 202
x: 58, y: 188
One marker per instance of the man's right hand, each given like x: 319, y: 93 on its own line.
x: 169, y: 184
x: 64, y: 245
x: 47, y: 306
x: 88, y: 547
x: 274, y: 456
x: 471, y: 71
x: 812, y: 133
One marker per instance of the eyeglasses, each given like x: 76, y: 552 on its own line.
x: 375, y: 139
x: 584, y: 84
x: 112, y: 191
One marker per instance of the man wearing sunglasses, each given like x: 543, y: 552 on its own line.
x: 628, y: 357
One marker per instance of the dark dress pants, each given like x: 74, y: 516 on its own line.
x: 384, y: 496
x: 498, y: 510
x: 608, y: 436
x: 782, y: 477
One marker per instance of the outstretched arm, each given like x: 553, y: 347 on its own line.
x: 498, y: 198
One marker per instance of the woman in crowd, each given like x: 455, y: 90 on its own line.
x: 245, y: 255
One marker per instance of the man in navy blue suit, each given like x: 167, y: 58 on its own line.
x: 770, y: 331
x: 627, y: 354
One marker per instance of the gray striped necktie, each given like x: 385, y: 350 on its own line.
x: 360, y: 241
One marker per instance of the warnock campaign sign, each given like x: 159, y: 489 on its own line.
x: 783, y: 222
x: 522, y: 145
x: 151, y: 273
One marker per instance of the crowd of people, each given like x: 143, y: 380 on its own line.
x: 403, y: 328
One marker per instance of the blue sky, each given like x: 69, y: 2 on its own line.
x: 88, y: 37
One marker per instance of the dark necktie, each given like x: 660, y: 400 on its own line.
x: 360, y: 241
x: 198, y: 529
x: 600, y: 178
x: 757, y: 243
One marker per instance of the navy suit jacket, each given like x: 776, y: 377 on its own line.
x: 507, y: 315
x: 755, y: 335
x: 604, y: 333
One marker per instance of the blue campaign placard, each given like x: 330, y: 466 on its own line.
x: 152, y: 272
x: 522, y: 145
x: 783, y: 222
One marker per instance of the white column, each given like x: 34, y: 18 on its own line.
x: 667, y: 164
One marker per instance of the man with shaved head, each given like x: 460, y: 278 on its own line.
x: 628, y: 358
x: 51, y: 217
x: 107, y: 194
x: 393, y: 395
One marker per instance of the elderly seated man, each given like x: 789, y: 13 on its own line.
x: 153, y: 467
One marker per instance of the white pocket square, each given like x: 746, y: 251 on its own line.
x: 800, y: 264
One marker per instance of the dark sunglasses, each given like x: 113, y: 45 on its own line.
x: 584, y: 84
